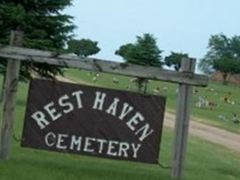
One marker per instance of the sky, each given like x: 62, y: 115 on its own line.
x: 178, y: 25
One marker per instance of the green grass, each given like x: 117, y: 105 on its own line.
x: 215, y: 92
x: 204, y: 160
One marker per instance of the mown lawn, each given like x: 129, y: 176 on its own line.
x: 204, y: 160
x: 220, y: 115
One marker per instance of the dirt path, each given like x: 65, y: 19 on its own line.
x: 64, y: 79
x: 209, y: 133
x: 203, y: 131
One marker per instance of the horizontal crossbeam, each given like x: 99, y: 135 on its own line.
x: 99, y: 65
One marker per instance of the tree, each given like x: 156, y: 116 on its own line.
x: 143, y: 52
x: 123, y: 50
x: 174, y: 60
x: 223, y: 56
x: 83, y: 47
x: 44, y: 25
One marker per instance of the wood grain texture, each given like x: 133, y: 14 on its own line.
x: 182, y: 122
x: 99, y: 65
x: 10, y: 92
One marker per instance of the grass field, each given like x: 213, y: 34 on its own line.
x: 204, y: 160
x: 214, y: 93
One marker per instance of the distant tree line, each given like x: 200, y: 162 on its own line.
x: 47, y: 28
x: 223, y: 55
x: 145, y: 52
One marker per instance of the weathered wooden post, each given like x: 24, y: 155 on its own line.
x: 10, y: 92
x: 182, y: 121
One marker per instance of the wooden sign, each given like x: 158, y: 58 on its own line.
x: 93, y: 121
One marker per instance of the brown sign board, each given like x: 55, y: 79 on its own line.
x: 94, y: 121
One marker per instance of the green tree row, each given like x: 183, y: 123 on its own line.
x: 223, y: 55
x: 146, y: 52
x: 46, y: 27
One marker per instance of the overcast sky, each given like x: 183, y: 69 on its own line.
x: 179, y: 25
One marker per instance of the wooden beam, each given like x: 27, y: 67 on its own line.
x: 182, y: 121
x: 10, y: 92
x: 98, y: 65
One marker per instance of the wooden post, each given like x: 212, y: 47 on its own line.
x: 182, y: 121
x: 10, y: 92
